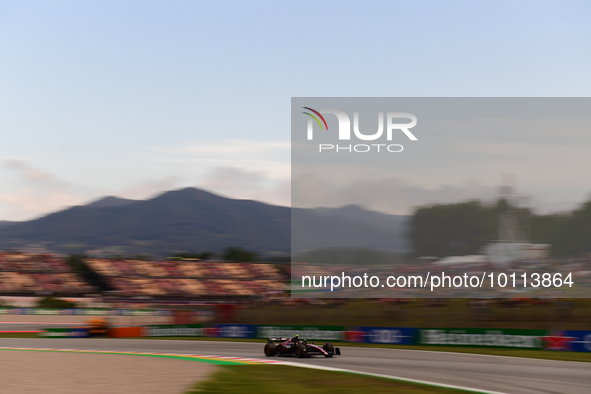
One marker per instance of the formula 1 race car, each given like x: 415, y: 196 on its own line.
x: 98, y: 327
x: 299, y: 348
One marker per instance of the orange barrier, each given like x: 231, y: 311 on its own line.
x: 126, y: 332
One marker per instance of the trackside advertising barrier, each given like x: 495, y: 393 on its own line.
x: 566, y: 340
x: 233, y: 331
x: 395, y: 336
x: 179, y: 330
x: 501, y: 338
x: 126, y: 332
x: 569, y: 340
x: 328, y: 333
x: 64, y: 333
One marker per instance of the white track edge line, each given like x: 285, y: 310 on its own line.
x: 391, y: 377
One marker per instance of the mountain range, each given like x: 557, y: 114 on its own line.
x: 195, y: 220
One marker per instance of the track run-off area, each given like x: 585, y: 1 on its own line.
x: 471, y: 372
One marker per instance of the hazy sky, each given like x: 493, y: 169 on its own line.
x: 465, y: 149
x: 131, y: 98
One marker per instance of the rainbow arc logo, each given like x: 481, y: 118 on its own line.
x: 388, y: 124
x: 315, y: 118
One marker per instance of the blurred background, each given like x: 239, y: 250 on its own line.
x: 145, y: 166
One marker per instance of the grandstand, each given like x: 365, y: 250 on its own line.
x: 24, y: 273
x: 34, y: 273
x: 189, y: 278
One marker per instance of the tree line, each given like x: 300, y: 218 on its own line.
x: 465, y: 228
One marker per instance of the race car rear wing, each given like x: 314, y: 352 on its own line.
x: 278, y: 339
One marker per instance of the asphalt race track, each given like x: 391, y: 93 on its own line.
x: 481, y: 372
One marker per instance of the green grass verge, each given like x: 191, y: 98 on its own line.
x: 270, y: 379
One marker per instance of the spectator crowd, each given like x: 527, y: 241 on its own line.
x: 189, y: 278
x: 38, y: 273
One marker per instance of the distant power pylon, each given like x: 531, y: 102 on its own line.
x: 509, y: 229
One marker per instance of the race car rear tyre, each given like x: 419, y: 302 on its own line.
x: 270, y: 350
x: 329, y: 349
x: 300, y: 351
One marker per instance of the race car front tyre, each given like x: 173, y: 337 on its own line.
x: 329, y: 348
x: 300, y: 351
x: 270, y: 350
